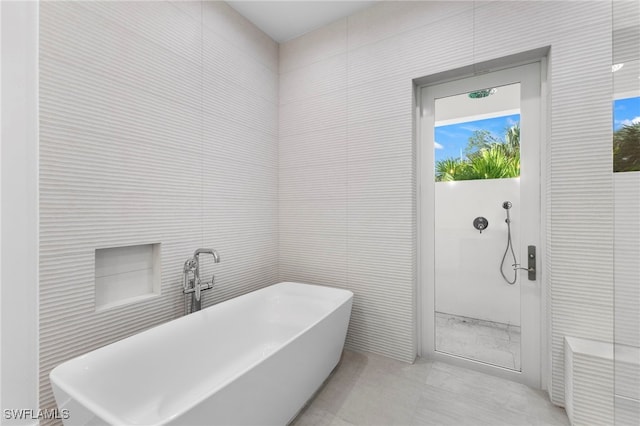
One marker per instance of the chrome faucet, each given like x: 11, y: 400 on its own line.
x: 192, y: 285
x: 212, y: 252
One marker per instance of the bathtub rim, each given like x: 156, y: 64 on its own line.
x: 72, y: 393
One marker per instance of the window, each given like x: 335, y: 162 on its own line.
x: 477, y: 135
x: 626, y: 134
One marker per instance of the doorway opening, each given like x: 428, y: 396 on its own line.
x: 479, y: 216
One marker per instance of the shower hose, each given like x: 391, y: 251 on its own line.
x: 513, y: 254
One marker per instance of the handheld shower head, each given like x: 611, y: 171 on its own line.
x: 507, y: 205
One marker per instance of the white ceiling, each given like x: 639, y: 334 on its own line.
x: 285, y: 20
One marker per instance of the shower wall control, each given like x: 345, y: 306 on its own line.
x: 480, y: 223
x: 531, y: 262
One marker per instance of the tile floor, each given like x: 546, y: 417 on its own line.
x: 491, y: 342
x: 367, y: 389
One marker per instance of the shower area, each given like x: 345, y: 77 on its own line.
x: 477, y: 310
x: 480, y: 158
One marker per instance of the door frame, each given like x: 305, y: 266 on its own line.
x: 535, y: 373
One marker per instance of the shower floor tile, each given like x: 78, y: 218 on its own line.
x: 491, y: 342
x: 367, y: 389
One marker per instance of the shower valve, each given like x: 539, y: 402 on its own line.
x: 480, y: 223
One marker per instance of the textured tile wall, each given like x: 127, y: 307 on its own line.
x: 626, y: 39
x: 347, y: 158
x: 158, y: 123
x: 627, y: 286
x: 589, y: 373
x: 580, y: 235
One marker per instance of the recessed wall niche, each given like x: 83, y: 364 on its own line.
x: 126, y: 274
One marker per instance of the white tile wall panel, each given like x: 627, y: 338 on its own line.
x: 192, y: 8
x: 627, y: 371
x: 307, y: 270
x: 128, y: 58
x: 627, y: 296
x: 314, y: 258
x: 313, y: 223
x: 381, y: 216
x: 495, y: 40
x: 581, y: 233
x: 379, y: 139
x: 625, y: 15
x: 156, y: 21
x: 313, y: 182
x: 122, y: 116
x: 313, y: 114
x: 366, y: 323
x: 230, y: 140
x: 626, y: 31
x: 249, y: 279
x: 240, y: 105
x: 242, y: 215
x: 626, y: 304
x: 381, y: 179
x: 386, y: 58
x: 128, y: 156
x: 406, y: 55
x: 380, y: 100
x: 230, y: 179
x: 627, y: 411
x: 314, y: 79
x: 371, y: 330
x: 238, y: 67
x: 387, y: 19
x: 324, y: 146
x: 313, y: 216
x: 390, y: 320
x: 627, y: 258
x: 221, y: 18
x: 314, y: 46
x: 381, y: 276
x: 590, y: 383
x: 241, y: 245
x: 383, y: 256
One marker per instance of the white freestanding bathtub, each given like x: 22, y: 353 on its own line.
x: 252, y: 360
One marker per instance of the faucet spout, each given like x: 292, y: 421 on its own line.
x: 212, y: 252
